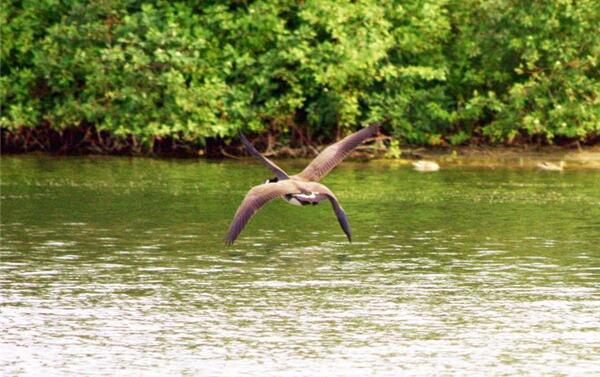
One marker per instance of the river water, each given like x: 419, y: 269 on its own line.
x: 116, y: 266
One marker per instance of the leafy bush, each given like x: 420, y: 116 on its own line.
x: 527, y: 67
x: 437, y: 70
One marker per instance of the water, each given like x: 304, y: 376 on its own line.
x: 115, y: 266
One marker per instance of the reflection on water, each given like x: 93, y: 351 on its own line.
x: 116, y: 267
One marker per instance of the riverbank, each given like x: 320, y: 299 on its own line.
x: 89, y: 141
x: 524, y: 156
x: 527, y: 157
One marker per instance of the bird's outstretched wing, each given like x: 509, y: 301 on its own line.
x: 279, y: 172
x: 257, y: 197
x: 341, y: 216
x: 325, y: 193
x: 335, y: 153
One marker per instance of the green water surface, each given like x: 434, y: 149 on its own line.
x: 116, y: 266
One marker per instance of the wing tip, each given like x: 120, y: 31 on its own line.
x: 228, y: 241
x: 243, y: 137
x: 374, y: 127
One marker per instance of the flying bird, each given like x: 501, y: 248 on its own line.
x: 300, y: 189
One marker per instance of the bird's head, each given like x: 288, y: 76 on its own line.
x: 272, y: 180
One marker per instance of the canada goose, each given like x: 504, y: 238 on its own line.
x: 425, y: 166
x: 300, y: 189
x: 549, y: 166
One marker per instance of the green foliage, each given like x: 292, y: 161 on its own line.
x: 526, y: 67
x: 437, y: 70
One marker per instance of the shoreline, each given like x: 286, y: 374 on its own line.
x: 521, y: 157
x: 586, y: 157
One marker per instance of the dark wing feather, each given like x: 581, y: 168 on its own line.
x: 257, y: 197
x: 341, y: 216
x: 274, y: 168
x: 335, y: 153
x: 324, y: 192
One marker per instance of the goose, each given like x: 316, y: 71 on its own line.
x: 300, y: 189
x: 549, y: 166
x: 425, y: 166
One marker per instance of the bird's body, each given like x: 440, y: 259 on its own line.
x: 294, y: 198
x: 426, y: 166
x: 549, y: 166
x: 301, y: 189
